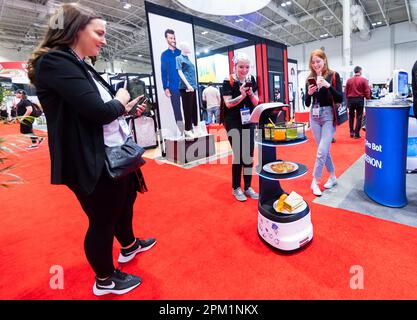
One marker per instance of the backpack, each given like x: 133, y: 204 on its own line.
x: 36, y: 110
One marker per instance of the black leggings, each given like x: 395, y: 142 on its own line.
x: 241, y: 139
x: 110, y: 212
x: 28, y: 129
x: 355, y: 105
x: 189, y: 106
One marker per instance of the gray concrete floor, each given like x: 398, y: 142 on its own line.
x: 348, y: 194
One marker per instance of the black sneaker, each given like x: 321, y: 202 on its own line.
x: 141, y: 245
x: 118, y: 283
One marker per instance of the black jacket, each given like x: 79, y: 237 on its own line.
x: 326, y: 96
x: 75, y: 115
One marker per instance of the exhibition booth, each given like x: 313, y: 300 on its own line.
x: 387, y: 140
x: 268, y: 65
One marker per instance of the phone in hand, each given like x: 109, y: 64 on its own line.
x: 142, y: 100
x: 312, y: 81
x: 248, y: 85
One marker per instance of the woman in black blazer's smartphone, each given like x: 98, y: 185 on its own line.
x: 83, y: 115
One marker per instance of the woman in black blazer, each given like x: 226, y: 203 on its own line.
x: 83, y: 115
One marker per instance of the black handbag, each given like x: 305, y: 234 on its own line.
x: 340, y: 108
x: 123, y: 160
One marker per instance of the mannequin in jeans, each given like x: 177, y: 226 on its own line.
x: 320, y: 95
x: 188, y: 87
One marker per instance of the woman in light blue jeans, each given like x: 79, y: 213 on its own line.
x: 323, y: 88
x: 323, y: 131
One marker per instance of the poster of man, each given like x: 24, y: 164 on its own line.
x: 166, y: 34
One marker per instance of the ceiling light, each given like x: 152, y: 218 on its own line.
x: 283, y: 4
x: 324, y: 35
x: 139, y: 55
x: 239, y: 20
x: 127, y: 5
x: 206, y: 50
x: 224, y: 8
x: 204, y: 32
x: 288, y: 3
x: 378, y: 23
x: 327, y: 18
x: 374, y: 24
x: 197, y: 53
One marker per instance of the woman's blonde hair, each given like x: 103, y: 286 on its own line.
x: 62, y: 31
x: 326, y: 70
x: 240, y: 56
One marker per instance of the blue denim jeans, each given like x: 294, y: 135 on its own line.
x: 213, y: 112
x: 323, y: 132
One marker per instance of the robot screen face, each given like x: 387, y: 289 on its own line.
x: 403, y: 84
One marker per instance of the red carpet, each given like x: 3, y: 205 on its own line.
x: 208, y: 246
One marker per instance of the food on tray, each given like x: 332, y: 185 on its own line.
x: 282, y: 167
x: 279, y: 133
x: 291, y: 132
x: 284, y: 131
x: 293, y: 201
x: 280, y: 203
x: 268, y: 131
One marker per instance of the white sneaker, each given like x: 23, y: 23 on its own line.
x: 330, y: 183
x: 189, y: 134
x: 316, y: 189
x: 239, y: 195
x: 251, y: 193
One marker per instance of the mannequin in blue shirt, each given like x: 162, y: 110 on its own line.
x: 188, y: 87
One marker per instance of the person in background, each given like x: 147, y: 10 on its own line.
x: 24, y: 109
x: 170, y: 78
x: 384, y: 91
x: 83, y: 116
x: 212, y: 97
x: 321, y: 96
x: 240, y: 98
x: 357, y: 90
x: 302, y: 95
x: 202, y: 103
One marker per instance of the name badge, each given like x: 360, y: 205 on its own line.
x: 316, y: 110
x: 245, y: 115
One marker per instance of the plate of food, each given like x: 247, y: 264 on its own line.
x: 280, y: 167
x: 290, y: 204
x: 285, y: 210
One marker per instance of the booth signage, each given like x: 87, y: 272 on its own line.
x: 385, y: 155
x: 375, y: 162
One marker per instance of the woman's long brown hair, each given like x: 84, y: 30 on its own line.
x: 62, y: 31
x: 326, y: 70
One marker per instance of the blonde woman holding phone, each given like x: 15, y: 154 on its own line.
x: 240, y: 97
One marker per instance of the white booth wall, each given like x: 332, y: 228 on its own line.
x: 389, y: 48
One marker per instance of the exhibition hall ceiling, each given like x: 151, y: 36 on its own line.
x: 23, y: 22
